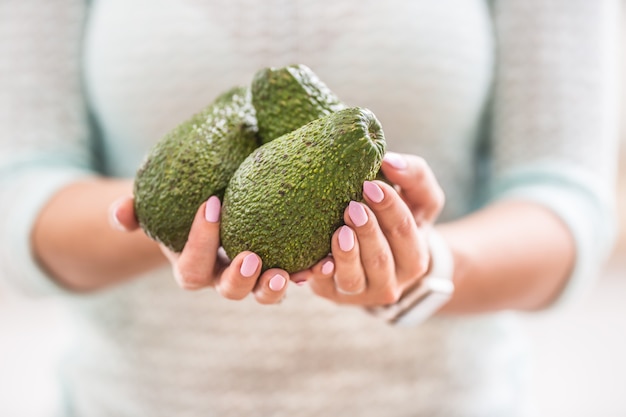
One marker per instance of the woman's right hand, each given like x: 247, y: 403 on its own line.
x: 201, y: 264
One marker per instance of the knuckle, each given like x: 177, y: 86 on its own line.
x: 390, y: 295
x: 262, y: 300
x: 403, y: 228
x: 265, y: 298
x: 230, y: 292
x: 188, y: 286
x: 419, y: 268
x: 189, y: 279
x: 352, y: 285
x: 379, y: 261
x: 194, y: 279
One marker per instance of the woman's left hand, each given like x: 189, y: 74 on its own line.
x: 382, y: 250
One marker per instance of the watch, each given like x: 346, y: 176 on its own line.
x: 433, y: 291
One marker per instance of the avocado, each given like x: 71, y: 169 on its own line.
x: 288, y: 196
x: 192, y: 162
x: 289, y: 97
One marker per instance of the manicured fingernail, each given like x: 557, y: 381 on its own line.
x: 300, y: 283
x: 328, y: 268
x: 277, y: 282
x: 346, y: 239
x: 249, y: 265
x: 395, y: 160
x: 357, y: 213
x: 212, y: 209
x: 373, y: 191
x: 114, y: 221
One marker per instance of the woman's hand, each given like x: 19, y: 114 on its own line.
x: 201, y: 265
x: 381, y: 251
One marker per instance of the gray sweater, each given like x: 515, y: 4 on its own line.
x: 505, y: 99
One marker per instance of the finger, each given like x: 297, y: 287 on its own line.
x: 349, y: 274
x: 172, y: 257
x: 418, y: 185
x: 169, y: 254
x: 322, y: 271
x: 239, y: 279
x: 300, y: 277
x: 375, y: 252
x: 197, y: 262
x: 271, y: 286
x: 323, y: 268
x: 122, y: 215
x: 407, y: 243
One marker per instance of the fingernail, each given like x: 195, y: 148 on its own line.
x: 277, y: 282
x: 373, y: 191
x: 249, y: 265
x: 346, y: 239
x: 395, y: 160
x: 357, y: 213
x: 301, y: 283
x: 114, y: 221
x: 212, y: 209
x: 328, y: 268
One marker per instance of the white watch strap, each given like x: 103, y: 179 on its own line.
x: 433, y: 291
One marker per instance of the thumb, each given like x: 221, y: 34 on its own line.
x: 122, y: 214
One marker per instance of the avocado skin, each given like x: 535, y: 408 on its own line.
x: 289, y: 97
x: 288, y: 197
x: 192, y: 162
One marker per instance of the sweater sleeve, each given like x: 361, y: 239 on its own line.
x: 44, y: 125
x: 554, y: 127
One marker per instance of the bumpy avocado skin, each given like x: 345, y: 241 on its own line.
x: 192, y: 162
x: 288, y: 197
x: 289, y: 97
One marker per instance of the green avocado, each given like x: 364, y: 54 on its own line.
x: 289, y: 97
x: 288, y: 197
x: 192, y: 162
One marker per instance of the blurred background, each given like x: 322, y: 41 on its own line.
x: 579, y: 352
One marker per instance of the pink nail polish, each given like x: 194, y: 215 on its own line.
x: 249, y: 265
x: 277, y: 282
x: 373, y: 191
x: 346, y: 239
x: 114, y: 220
x: 357, y: 213
x: 212, y: 209
x: 328, y: 268
x: 301, y: 283
x: 395, y: 160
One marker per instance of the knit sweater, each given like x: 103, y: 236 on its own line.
x: 504, y: 99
